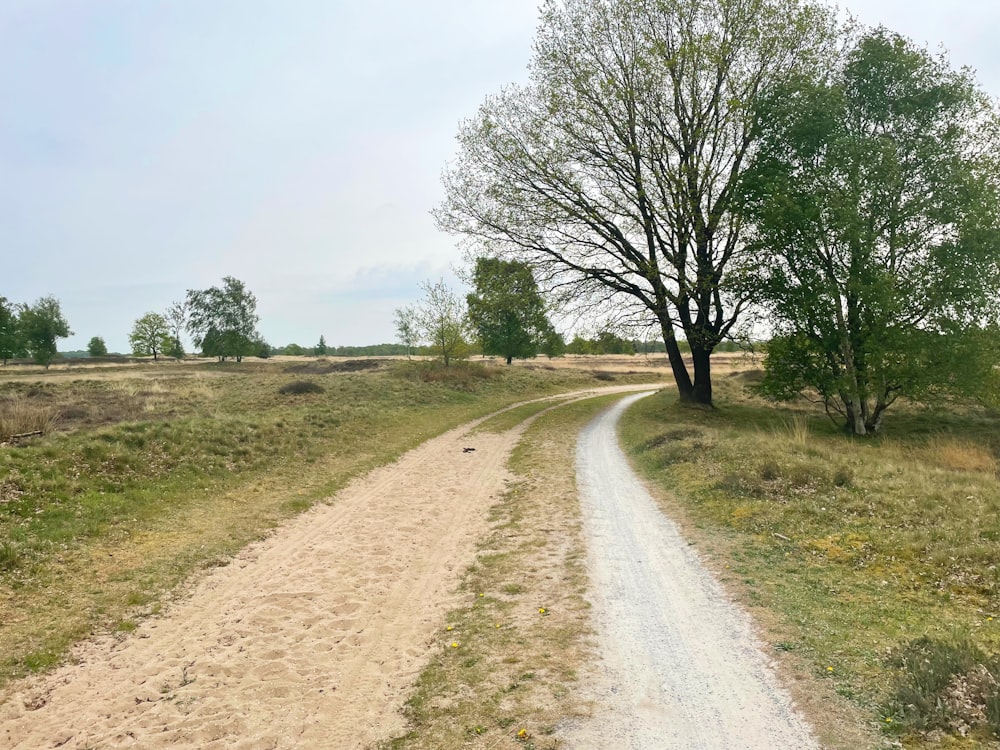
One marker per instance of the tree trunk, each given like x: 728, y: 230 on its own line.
x: 509, y: 358
x: 702, y: 390
x: 855, y: 416
x: 685, y: 389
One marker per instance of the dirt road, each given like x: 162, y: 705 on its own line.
x: 681, y: 667
x: 313, y: 637
x: 310, y: 638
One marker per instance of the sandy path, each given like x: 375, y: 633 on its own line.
x: 310, y: 638
x: 307, y: 639
x: 681, y: 666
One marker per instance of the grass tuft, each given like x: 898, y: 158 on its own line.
x: 19, y: 416
x: 10, y: 556
x: 947, y: 684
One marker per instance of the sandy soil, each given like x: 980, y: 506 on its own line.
x: 308, y: 639
x: 681, y: 667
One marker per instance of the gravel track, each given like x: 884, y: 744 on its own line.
x: 680, y: 664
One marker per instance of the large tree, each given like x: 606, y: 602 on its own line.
x: 223, y: 321
x: 150, y: 335
x: 506, y: 310
x: 615, y: 171
x: 40, y: 325
x: 876, y: 202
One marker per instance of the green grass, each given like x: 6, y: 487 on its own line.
x: 859, y: 551
x: 154, y: 473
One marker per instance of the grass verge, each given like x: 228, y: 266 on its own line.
x: 155, y: 474
x: 872, y: 564
x: 506, y: 669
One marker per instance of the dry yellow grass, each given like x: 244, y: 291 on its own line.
x: 19, y: 416
x: 958, y: 454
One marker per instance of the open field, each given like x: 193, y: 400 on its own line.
x: 871, y: 564
x: 147, y: 475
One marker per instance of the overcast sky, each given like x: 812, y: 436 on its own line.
x: 150, y: 147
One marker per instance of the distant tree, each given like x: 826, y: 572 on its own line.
x: 11, y: 342
x: 40, y: 325
x: 320, y: 347
x: 96, y: 347
x: 176, y: 317
x: 506, y: 310
x: 263, y: 349
x: 440, y: 320
x: 875, y: 198
x: 553, y: 345
x: 609, y: 342
x: 150, y: 335
x: 579, y: 345
x: 407, y: 332
x: 293, y: 350
x: 223, y: 321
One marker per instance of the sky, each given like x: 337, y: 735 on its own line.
x: 148, y: 147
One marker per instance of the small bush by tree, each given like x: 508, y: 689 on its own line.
x: 96, y: 347
x: 553, y: 344
x: 40, y: 325
x: 150, y: 336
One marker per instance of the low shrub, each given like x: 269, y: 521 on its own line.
x: 946, y: 684
x: 297, y: 387
x: 459, y: 375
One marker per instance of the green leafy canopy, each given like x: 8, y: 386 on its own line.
x: 875, y: 206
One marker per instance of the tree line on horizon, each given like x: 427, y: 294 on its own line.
x: 507, y: 318
x: 222, y: 321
